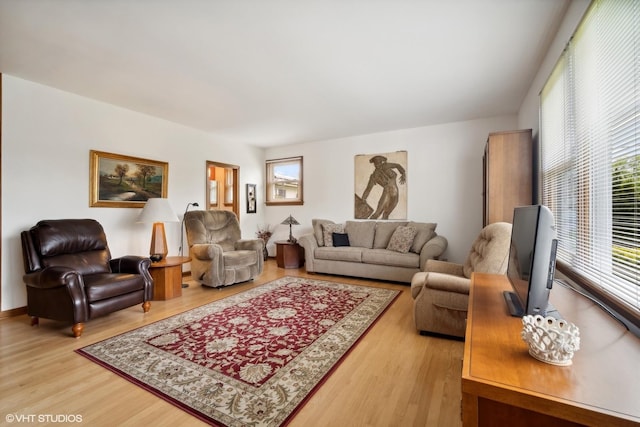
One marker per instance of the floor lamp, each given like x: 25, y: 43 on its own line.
x: 182, y: 230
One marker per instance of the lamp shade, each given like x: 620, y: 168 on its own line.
x: 158, y: 211
x: 290, y: 221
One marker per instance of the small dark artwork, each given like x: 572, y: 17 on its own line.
x: 251, y: 198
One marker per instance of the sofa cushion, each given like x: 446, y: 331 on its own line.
x: 391, y: 258
x: 425, y: 232
x: 108, y: 285
x: 344, y: 253
x: 384, y: 230
x: 318, y: 231
x: 402, y: 239
x: 340, y: 239
x: 328, y: 230
x: 361, y: 233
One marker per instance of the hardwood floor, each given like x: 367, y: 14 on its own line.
x: 392, y: 377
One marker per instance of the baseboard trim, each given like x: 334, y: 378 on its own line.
x: 13, y: 312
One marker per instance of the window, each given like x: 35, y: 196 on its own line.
x: 284, y: 181
x: 228, y: 187
x: 590, y: 154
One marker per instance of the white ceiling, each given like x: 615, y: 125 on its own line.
x: 271, y: 72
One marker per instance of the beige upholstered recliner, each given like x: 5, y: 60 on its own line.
x: 218, y: 256
x: 441, y: 292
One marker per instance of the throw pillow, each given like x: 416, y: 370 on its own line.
x: 402, y: 239
x: 425, y: 232
x: 318, y: 231
x: 384, y: 231
x: 328, y: 230
x: 340, y: 239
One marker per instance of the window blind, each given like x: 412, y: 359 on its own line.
x: 590, y: 149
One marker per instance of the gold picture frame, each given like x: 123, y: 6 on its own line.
x: 118, y: 181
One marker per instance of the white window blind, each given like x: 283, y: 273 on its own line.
x: 590, y: 149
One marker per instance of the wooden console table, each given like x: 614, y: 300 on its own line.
x: 167, y: 277
x: 289, y: 255
x: 503, y: 385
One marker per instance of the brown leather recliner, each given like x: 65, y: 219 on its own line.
x: 70, y: 275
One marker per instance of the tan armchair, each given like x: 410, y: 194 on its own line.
x: 218, y: 256
x: 441, y: 292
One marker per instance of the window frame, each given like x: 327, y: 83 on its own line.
x: 270, y: 190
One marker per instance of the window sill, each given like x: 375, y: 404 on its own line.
x: 631, y: 316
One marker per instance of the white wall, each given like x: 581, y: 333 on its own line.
x: 444, y: 178
x: 529, y: 113
x: 46, y: 138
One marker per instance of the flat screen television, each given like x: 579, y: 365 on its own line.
x: 532, y: 261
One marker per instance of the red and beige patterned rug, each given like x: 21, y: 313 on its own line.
x: 249, y: 359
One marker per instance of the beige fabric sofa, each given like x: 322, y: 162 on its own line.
x: 371, y: 252
x: 441, y: 292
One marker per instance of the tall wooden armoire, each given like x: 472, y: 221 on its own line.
x: 508, y: 174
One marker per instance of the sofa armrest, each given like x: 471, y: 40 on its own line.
x: 206, y: 251
x: 130, y: 264
x: 207, y: 263
x: 309, y: 243
x: 53, y: 277
x: 448, y: 283
x: 432, y: 249
x: 437, y: 266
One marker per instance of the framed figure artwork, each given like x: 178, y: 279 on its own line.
x: 381, y: 186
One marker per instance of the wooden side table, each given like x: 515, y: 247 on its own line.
x: 289, y: 255
x: 167, y: 277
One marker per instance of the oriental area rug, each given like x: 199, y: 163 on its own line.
x: 249, y: 359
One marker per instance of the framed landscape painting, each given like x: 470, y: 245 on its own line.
x: 118, y: 181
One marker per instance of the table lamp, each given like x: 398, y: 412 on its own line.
x: 157, y: 211
x: 290, y: 221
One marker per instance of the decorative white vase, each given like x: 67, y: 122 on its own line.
x: 551, y: 340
